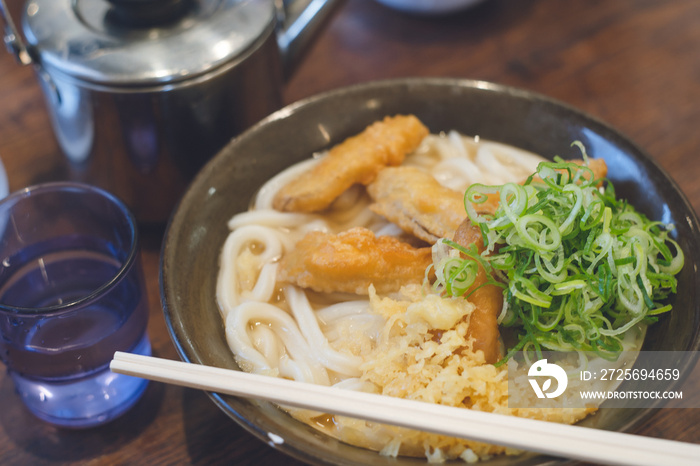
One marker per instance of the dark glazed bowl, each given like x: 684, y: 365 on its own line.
x: 197, y: 230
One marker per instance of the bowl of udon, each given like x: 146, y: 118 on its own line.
x: 367, y: 238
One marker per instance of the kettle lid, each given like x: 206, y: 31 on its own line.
x: 143, y: 42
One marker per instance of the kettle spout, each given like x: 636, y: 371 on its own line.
x: 298, y: 21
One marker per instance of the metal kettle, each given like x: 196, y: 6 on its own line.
x: 141, y: 93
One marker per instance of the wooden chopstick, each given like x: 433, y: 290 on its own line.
x: 569, y: 441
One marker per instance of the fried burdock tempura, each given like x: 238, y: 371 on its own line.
x: 416, y: 202
x: 487, y: 299
x: 358, y: 159
x: 352, y: 260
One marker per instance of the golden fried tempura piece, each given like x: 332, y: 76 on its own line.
x: 355, y: 160
x: 599, y: 167
x: 487, y: 300
x: 350, y: 261
x: 417, y: 202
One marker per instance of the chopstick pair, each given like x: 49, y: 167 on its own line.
x: 569, y: 441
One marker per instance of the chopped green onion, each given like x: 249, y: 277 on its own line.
x: 579, y: 267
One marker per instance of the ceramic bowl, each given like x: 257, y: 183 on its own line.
x: 533, y: 122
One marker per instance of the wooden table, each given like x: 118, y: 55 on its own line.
x: 632, y: 63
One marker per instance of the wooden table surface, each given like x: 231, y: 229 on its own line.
x: 632, y: 63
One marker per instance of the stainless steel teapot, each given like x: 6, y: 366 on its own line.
x: 141, y: 93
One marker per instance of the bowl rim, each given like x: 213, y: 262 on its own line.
x: 177, y: 217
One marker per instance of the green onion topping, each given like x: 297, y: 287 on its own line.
x: 579, y: 267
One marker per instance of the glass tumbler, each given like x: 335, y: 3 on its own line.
x: 71, y: 294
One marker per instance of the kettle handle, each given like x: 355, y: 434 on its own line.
x: 298, y: 21
x: 13, y: 41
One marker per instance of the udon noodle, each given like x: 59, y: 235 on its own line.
x: 381, y: 344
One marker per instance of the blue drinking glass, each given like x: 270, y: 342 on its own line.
x: 71, y: 294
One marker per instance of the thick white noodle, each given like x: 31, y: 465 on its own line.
x: 499, y: 158
x: 267, y: 192
x: 264, y: 286
x: 299, y: 358
x: 228, y: 293
x: 270, y: 218
x: 340, y: 310
x: 308, y: 323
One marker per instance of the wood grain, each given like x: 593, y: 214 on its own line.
x: 631, y: 63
